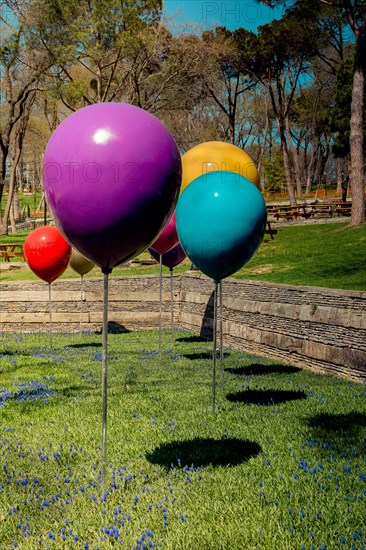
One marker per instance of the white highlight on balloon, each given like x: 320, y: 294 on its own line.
x: 102, y: 136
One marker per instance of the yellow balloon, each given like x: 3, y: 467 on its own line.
x: 217, y: 155
x: 79, y: 263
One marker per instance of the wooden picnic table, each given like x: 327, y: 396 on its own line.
x: 305, y: 210
x: 287, y: 212
x: 342, y: 208
x: 333, y: 206
x: 11, y: 250
x: 270, y: 231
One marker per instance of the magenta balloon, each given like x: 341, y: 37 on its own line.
x: 171, y: 258
x: 112, y: 175
x: 167, y: 238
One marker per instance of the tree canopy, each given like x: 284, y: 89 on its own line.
x: 292, y: 93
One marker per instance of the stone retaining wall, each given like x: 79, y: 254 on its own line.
x: 133, y: 303
x: 318, y: 328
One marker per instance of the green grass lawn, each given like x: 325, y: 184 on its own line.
x: 280, y: 465
x: 327, y: 255
x: 27, y: 200
x: 18, y: 237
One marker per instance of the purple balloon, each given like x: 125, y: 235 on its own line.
x: 112, y: 175
x: 171, y: 258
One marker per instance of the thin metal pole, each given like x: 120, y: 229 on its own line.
x: 172, y: 305
x: 50, y: 312
x: 221, y: 337
x: 44, y: 210
x: 214, y: 350
x: 160, y: 298
x: 81, y: 301
x: 104, y: 377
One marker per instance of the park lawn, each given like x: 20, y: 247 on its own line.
x: 18, y: 237
x: 280, y: 464
x: 31, y: 199
x: 329, y: 255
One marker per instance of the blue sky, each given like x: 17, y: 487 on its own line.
x: 205, y: 14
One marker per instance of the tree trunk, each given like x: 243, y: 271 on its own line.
x: 339, y: 175
x: 286, y: 162
x: 4, y: 156
x: 295, y: 158
x: 9, y: 202
x: 356, y: 133
x: 267, y: 128
x: 16, y: 197
x: 13, y: 225
x: 232, y: 129
x: 17, y: 144
x: 308, y: 184
x: 99, y: 84
x: 12, y: 188
x: 311, y: 168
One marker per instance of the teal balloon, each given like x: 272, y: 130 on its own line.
x: 221, y: 219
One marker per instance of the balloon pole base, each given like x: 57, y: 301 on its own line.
x: 214, y: 349
x: 160, y: 298
x: 172, y: 305
x: 50, y: 314
x: 221, y: 337
x: 81, y: 303
x: 104, y: 378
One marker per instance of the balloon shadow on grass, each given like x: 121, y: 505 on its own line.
x: 191, y: 339
x: 10, y: 353
x: 258, y: 370
x: 76, y: 391
x: 204, y: 452
x: 203, y: 355
x: 337, y: 422
x: 265, y: 397
x: 342, y: 431
x: 86, y: 345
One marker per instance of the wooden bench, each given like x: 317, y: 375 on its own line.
x: 333, y: 206
x: 286, y: 212
x: 322, y: 209
x: 11, y: 250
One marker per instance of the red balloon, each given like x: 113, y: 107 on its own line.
x: 167, y: 238
x: 47, y: 253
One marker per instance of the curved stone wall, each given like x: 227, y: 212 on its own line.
x: 317, y: 328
